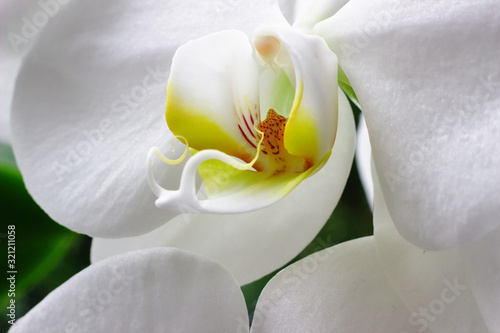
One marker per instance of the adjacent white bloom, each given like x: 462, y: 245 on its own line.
x: 427, y: 77
x: 154, y: 290
x: 418, y: 276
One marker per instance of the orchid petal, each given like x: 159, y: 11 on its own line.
x: 251, y: 245
x: 90, y: 98
x: 212, y: 99
x: 427, y: 76
x: 309, y: 13
x: 339, y: 289
x: 20, y: 23
x: 156, y: 290
x: 481, y: 260
x: 9, y: 69
x: 287, y: 8
x: 433, y: 285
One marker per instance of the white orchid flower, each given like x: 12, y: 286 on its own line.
x: 91, y: 99
x: 427, y: 96
x: 374, y: 42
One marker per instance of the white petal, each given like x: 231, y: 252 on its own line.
x: 90, y: 103
x: 308, y: 13
x: 20, y: 23
x: 433, y: 285
x: 288, y: 9
x: 482, y: 263
x: 364, y: 159
x: 254, y: 244
x: 9, y: 68
x: 340, y: 289
x: 427, y: 76
x: 156, y: 290
x: 213, y: 95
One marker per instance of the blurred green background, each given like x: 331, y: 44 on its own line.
x: 48, y: 254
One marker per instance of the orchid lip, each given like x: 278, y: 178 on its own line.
x: 271, y: 143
